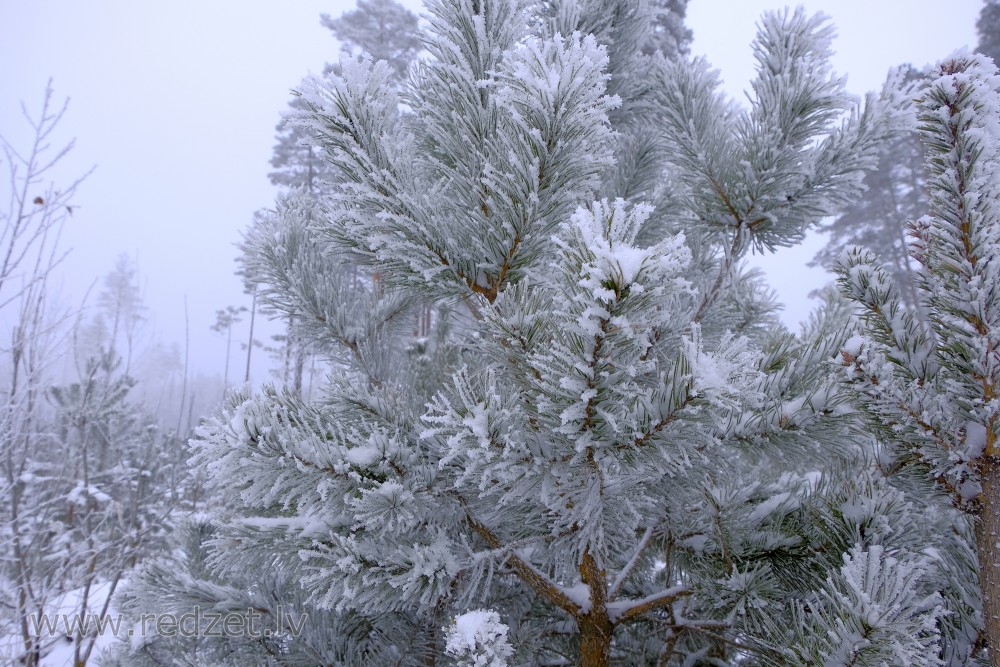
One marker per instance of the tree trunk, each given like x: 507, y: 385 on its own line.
x: 988, y: 547
x: 595, y: 626
x: 184, y: 380
x: 253, y: 316
x: 229, y: 346
x: 595, y: 639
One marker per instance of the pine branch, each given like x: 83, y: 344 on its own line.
x: 625, y: 611
x: 528, y: 573
x: 630, y: 565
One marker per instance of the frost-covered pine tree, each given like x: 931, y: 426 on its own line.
x: 389, y: 32
x: 384, y: 29
x: 933, y: 393
x: 607, y: 451
x: 988, y: 29
x: 895, y: 194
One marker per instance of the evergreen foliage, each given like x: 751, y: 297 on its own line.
x: 931, y: 392
x: 296, y: 163
x: 607, y: 451
x: 667, y: 32
x: 384, y: 29
x: 388, y: 32
x: 895, y: 195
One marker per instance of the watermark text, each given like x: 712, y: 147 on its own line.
x: 247, y: 623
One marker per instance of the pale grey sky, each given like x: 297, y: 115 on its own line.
x: 176, y: 103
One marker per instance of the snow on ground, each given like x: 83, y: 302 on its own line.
x: 64, y: 616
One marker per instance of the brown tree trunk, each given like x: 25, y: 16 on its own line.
x: 595, y: 626
x: 988, y: 547
x: 595, y: 639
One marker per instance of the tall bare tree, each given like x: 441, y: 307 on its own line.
x: 34, y: 212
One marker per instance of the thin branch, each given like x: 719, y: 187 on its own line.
x: 727, y: 640
x: 630, y: 565
x: 525, y: 570
x: 629, y: 610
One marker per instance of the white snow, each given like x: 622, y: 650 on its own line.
x: 362, y: 456
x: 975, y: 440
x: 618, y: 608
x: 477, y: 422
x: 852, y: 345
x: 469, y: 626
x: 728, y: 376
x: 769, y: 506
x: 579, y: 594
x: 478, y: 639
x: 58, y: 650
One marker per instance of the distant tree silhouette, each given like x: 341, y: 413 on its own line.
x: 988, y: 29
x: 383, y: 28
x: 880, y: 219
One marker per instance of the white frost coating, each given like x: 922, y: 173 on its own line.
x: 477, y: 423
x: 812, y: 479
x: 80, y: 494
x: 138, y: 637
x: 579, y: 594
x: 580, y: 54
x: 790, y: 408
x: 607, y: 231
x: 478, y: 639
x: 975, y: 440
x: 769, y: 506
x: 302, y: 526
x: 880, y: 605
x: 618, y: 608
x: 862, y: 508
x: 360, y: 79
x: 541, y: 392
x: 927, y: 386
x: 695, y: 543
x: 969, y: 489
x: 852, y: 345
x: 362, y: 456
x: 392, y: 490
x: 729, y: 376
